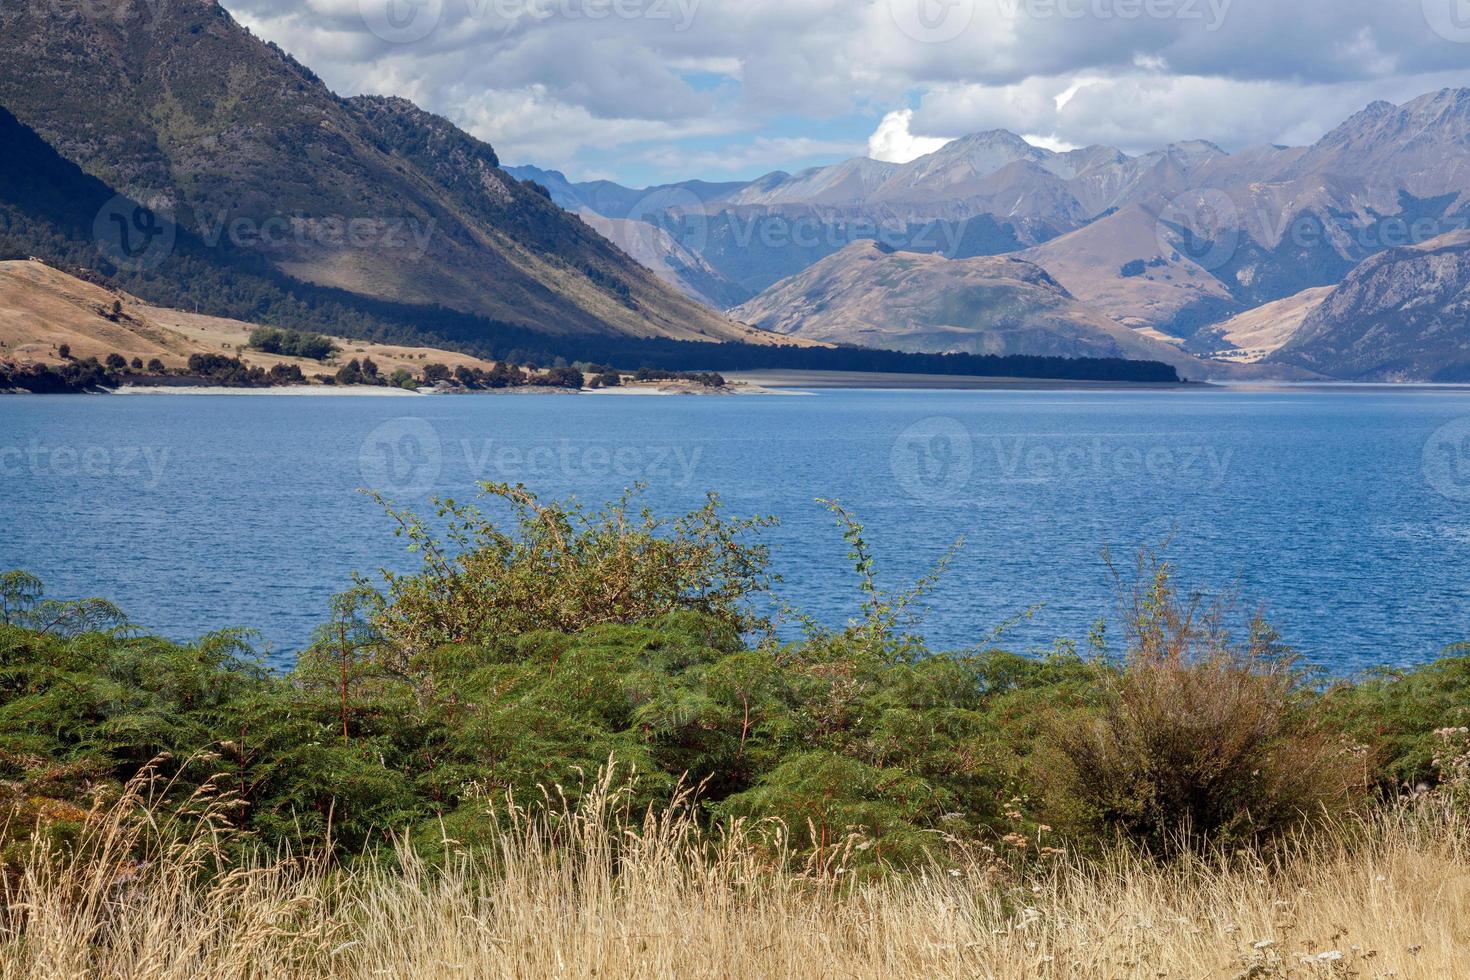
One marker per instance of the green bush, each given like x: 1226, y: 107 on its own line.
x: 291, y: 343
x: 1198, y: 740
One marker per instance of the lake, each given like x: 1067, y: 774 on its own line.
x: 1345, y: 513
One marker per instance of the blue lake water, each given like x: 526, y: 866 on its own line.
x: 1344, y: 513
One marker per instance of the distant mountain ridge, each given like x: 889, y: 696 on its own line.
x: 870, y: 295
x: 1401, y: 315
x: 1173, y: 242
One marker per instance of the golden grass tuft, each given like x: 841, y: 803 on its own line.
x: 597, y: 891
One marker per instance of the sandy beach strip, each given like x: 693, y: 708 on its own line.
x: 783, y: 379
x: 350, y: 390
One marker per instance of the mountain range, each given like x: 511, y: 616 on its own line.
x: 258, y: 194
x: 265, y: 176
x: 1178, y: 244
x: 159, y: 149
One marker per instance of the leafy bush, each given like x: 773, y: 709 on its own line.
x: 1400, y: 714
x: 1198, y: 739
x: 565, y: 569
x: 292, y: 343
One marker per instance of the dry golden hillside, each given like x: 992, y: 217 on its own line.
x: 42, y: 308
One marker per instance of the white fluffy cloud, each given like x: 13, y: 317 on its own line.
x: 630, y: 85
x: 1141, y: 111
x: 893, y: 143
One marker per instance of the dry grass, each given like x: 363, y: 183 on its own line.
x: 42, y: 307
x: 591, y: 891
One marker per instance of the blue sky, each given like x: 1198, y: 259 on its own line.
x: 644, y: 91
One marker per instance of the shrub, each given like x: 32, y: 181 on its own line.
x: 559, y: 377
x: 285, y: 374
x: 1401, y: 713
x: 291, y: 343
x: 350, y: 373
x: 224, y: 370
x: 1198, y: 740
x: 565, y: 569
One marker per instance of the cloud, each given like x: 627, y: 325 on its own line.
x: 530, y: 125
x: 762, y: 152
x: 1049, y: 143
x: 893, y: 143
x: 1137, y: 112
x: 607, y: 78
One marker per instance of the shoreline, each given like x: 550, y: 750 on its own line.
x: 358, y: 391
x: 369, y: 391
x: 781, y: 383
x: 886, y: 381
